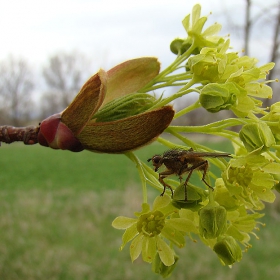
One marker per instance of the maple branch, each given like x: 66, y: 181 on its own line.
x: 28, y: 135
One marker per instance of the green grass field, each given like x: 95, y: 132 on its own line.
x: 56, y: 210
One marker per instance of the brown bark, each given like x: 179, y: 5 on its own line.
x: 28, y: 135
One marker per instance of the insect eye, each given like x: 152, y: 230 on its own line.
x: 156, y: 159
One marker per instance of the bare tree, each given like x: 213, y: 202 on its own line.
x: 16, y: 86
x: 260, y: 31
x: 64, y: 76
x: 275, y: 56
x: 267, y: 16
x: 248, y: 25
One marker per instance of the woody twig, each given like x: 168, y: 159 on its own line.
x: 28, y: 135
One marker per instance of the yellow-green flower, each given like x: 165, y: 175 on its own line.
x: 257, y: 136
x: 231, y: 82
x: 273, y: 120
x: 250, y: 180
x: 197, y: 38
x: 241, y: 224
x: 154, y: 231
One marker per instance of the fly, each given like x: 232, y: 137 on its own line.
x: 179, y: 162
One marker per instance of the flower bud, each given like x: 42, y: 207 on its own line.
x: 256, y: 135
x: 180, y: 46
x: 177, y: 46
x: 213, y: 221
x: 160, y: 268
x: 228, y: 250
x: 204, y: 67
x: 216, y: 97
x: 55, y: 134
x: 195, y: 195
x: 108, y: 115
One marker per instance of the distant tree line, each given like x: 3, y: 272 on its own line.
x: 16, y: 85
x: 63, y: 77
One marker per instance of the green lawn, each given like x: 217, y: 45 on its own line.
x: 56, y: 210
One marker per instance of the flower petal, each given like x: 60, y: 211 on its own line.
x: 173, y: 235
x: 126, y: 134
x: 212, y: 30
x: 136, y: 247
x: 196, y: 11
x: 182, y: 224
x: 130, y: 76
x: 149, y: 249
x: 166, y: 254
x: 129, y: 234
x: 122, y: 222
x: 161, y: 201
x: 86, y: 103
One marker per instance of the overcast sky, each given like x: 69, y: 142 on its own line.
x: 107, y: 31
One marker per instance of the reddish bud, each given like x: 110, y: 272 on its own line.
x: 56, y: 135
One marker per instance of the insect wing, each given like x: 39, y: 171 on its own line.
x: 191, y: 154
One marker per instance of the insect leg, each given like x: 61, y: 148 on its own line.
x: 186, y: 183
x: 202, y: 165
x: 165, y: 186
x: 163, y: 175
x: 205, y: 168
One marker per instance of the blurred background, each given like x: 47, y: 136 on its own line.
x: 49, y: 49
x: 56, y: 207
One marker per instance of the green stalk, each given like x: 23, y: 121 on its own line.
x: 187, y: 109
x: 135, y: 159
x: 171, y: 68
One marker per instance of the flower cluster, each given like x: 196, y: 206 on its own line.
x: 154, y: 232
x: 231, y: 82
x: 224, y: 217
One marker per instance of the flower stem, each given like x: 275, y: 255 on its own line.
x: 188, y: 109
x: 135, y: 159
x: 171, y: 68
